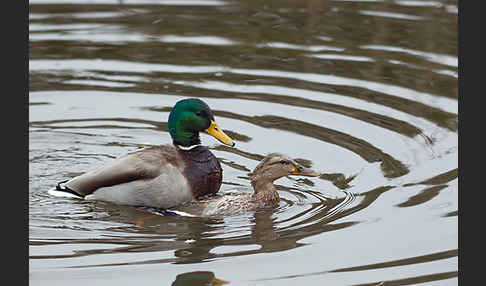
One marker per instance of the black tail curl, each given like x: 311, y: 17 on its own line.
x: 66, y: 189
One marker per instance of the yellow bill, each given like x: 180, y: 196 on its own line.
x: 302, y: 171
x: 218, y: 282
x: 217, y: 133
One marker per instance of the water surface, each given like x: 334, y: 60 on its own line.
x: 363, y: 91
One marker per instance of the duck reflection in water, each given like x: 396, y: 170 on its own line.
x: 198, y: 278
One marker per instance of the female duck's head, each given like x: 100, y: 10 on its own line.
x: 275, y: 166
x: 191, y: 116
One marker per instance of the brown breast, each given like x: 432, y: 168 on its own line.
x: 202, y: 170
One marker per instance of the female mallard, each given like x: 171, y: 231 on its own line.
x: 160, y: 176
x: 271, y: 168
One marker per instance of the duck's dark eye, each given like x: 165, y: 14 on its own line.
x: 201, y: 113
x: 284, y: 162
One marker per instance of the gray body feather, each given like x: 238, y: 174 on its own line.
x: 151, y: 176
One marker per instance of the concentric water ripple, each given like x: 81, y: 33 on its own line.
x: 363, y: 91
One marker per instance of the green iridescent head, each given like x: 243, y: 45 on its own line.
x: 191, y: 116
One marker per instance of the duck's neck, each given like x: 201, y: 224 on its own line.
x: 186, y: 139
x: 265, y: 192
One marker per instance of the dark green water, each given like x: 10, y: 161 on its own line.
x: 363, y: 91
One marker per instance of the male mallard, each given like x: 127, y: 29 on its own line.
x: 160, y: 176
x: 271, y: 168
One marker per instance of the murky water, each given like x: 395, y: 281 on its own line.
x: 363, y: 91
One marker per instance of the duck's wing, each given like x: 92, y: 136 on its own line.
x: 142, y: 164
x: 195, y: 207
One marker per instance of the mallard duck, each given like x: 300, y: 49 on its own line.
x: 160, y: 176
x: 265, y: 195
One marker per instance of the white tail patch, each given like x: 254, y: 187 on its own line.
x: 61, y: 194
x: 181, y: 213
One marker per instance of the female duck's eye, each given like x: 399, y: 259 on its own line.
x: 284, y: 162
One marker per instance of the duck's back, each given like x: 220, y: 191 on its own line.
x: 229, y: 203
